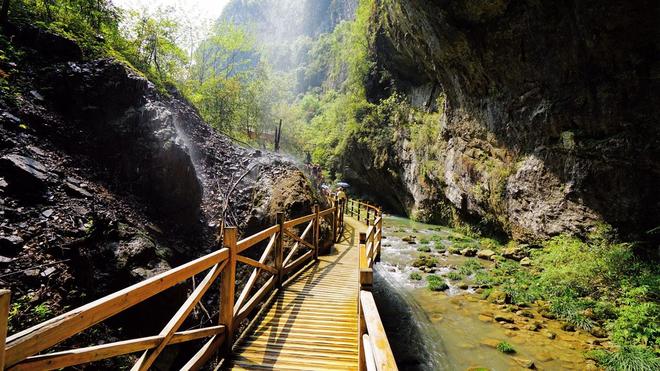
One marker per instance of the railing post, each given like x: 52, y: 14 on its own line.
x: 5, y: 296
x: 359, y: 204
x: 279, y: 249
x: 379, y: 228
x: 366, y: 273
x: 227, y: 288
x: 362, y: 329
x: 335, y: 214
x: 368, y: 210
x: 317, y: 225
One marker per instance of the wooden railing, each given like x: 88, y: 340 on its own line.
x: 374, y: 348
x: 284, y: 254
x: 363, y: 211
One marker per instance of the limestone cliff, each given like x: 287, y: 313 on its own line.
x: 549, y: 124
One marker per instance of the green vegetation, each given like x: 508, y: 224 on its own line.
x: 592, y: 284
x: 424, y: 249
x: 469, y: 267
x: 436, y: 283
x: 505, y: 347
x: 424, y: 260
x: 42, y: 311
x: 415, y: 276
x: 454, y: 276
x: 424, y: 241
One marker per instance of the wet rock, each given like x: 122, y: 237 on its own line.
x: 454, y: 250
x: 514, y: 252
x: 491, y: 343
x: 497, y: 297
x: 545, y: 313
x: 544, y: 357
x: 469, y: 251
x: 47, y: 213
x: 525, y: 313
x: 463, y: 286
x: 485, y: 254
x: 533, y: 326
x: 523, y: 362
x: 549, y: 334
x: 567, y: 327
x: 598, y: 332
x: 484, y: 318
x: 504, y: 317
x: 510, y: 326
x: 526, y: 262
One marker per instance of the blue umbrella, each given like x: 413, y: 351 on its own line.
x: 343, y: 184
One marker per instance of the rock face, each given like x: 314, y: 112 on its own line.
x: 105, y: 181
x: 549, y: 124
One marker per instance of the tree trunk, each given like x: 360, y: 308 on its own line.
x: 4, y: 13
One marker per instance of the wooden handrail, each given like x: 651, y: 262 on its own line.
x: 378, y: 343
x: 21, y: 347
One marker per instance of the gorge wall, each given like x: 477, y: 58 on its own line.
x: 547, y: 124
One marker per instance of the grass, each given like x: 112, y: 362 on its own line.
x: 424, y: 241
x: 424, y: 249
x: 415, y: 276
x: 424, y: 260
x: 454, y: 276
x: 436, y: 283
x: 505, y: 348
x: 628, y: 358
x: 469, y: 267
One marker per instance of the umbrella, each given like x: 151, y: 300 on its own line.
x: 343, y: 184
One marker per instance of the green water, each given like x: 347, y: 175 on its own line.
x: 447, y: 330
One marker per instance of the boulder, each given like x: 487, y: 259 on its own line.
x: 469, y: 251
x: 523, y: 362
x: 504, y: 317
x: 498, y: 297
x: 24, y: 176
x: 485, y: 254
x: 514, y: 252
x: 10, y: 246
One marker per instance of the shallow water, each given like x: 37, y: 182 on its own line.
x: 445, y: 330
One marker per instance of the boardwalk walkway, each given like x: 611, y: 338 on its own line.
x: 312, y: 322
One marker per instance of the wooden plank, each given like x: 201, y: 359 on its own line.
x: 149, y: 356
x: 296, y: 245
x: 255, y: 300
x: 379, y: 343
x: 255, y: 273
x: 279, y: 249
x: 49, y: 333
x: 301, y: 220
x: 79, y: 356
x: 327, y: 212
x: 294, y: 264
x: 248, y: 242
x: 256, y: 264
x: 5, y: 296
x: 298, y: 239
x: 317, y: 230
x: 206, y: 351
x: 369, y: 360
x: 227, y: 290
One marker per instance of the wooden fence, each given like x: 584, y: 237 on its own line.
x: 374, y: 348
x: 285, y: 253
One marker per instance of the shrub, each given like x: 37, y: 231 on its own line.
x: 424, y: 241
x: 638, y: 321
x: 469, y: 267
x: 454, y: 276
x: 415, y: 276
x: 436, y: 283
x: 505, y: 347
x: 424, y: 249
x: 424, y: 260
x: 628, y: 358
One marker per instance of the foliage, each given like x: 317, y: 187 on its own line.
x: 424, y: 248
x: 424, y: 260
x: 454, y: 276
x: 415, y: 276
x: 505, y: 347
x: 469, y: 267
x: 627, y: 358
x: 436, y: 283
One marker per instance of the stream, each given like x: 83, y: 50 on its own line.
x: 455, y: 329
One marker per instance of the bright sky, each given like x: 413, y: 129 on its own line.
x: 209, y: 9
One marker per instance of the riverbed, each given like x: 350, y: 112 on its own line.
x: 456, y: 329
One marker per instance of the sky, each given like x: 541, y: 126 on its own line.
x: 209, y: 9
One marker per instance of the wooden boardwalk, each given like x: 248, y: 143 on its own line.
x: 312, y: 323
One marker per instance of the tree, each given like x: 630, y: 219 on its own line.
x: 4, y: 13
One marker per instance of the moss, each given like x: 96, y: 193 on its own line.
x: 436, y: 283
x: 415, y: 276
x: 505, y: 347
x: 424, y: 249
x: 454, y: 276
x: 424, y: 260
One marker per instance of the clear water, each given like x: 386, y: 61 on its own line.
x: 444, y: 330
